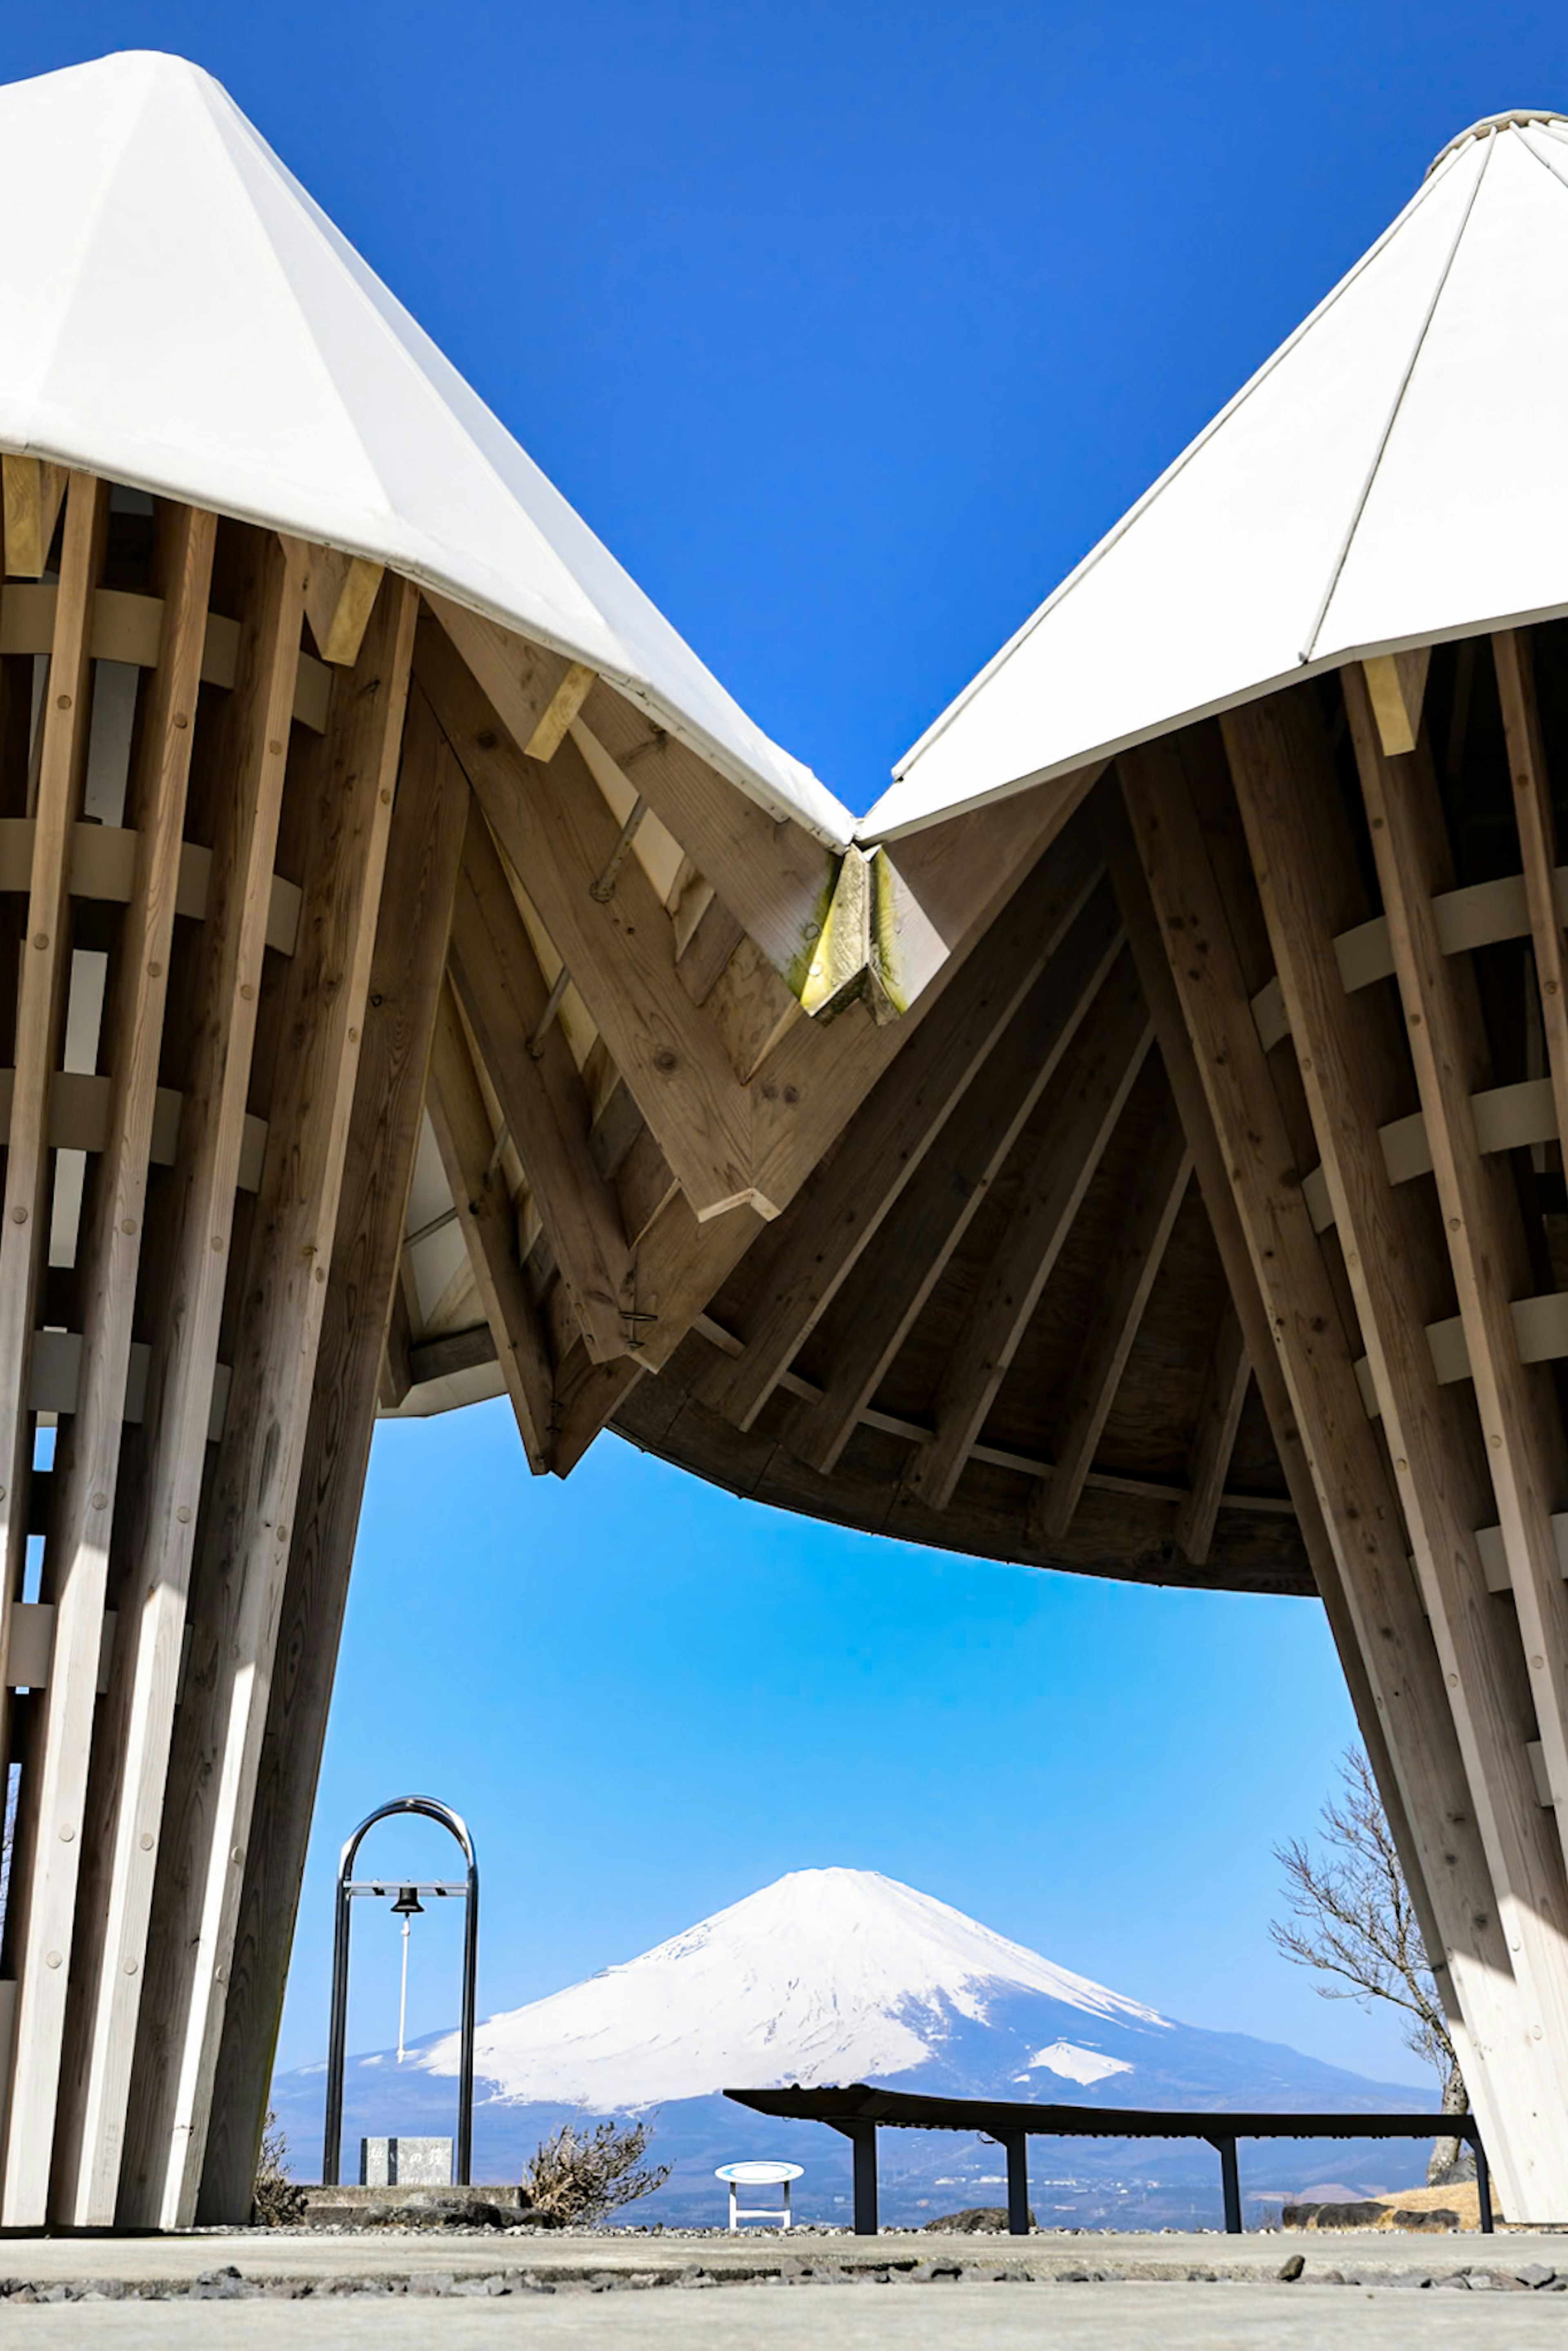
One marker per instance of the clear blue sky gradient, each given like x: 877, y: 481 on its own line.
x: 850, y: 327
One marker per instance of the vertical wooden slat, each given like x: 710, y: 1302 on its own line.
x: 31, y: 491
x: 1353, y: 1070
x: 87, y: 1466
x: 243, y: 1551
x: 190, y: 1268
x: 1214, y: 1439
x: 1360, y: 1503
x: 40, y: 1010
x: 488, y: 1224
x: 427, y: 824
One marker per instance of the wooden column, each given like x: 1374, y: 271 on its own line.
x: 1356, y: 1075
x: 188, y: 1263
x: 1355, y: 1484
x: 86, y: 1459
x: 243, y: 1554
x: 427, y: 824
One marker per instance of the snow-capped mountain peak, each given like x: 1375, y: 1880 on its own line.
x: 827, y: 1975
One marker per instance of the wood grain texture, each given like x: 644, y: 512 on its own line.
x: 1316, y: 1354
x: 242, y: 1552
x: 86, y: 1456
x: 1214, y: 1440
x: 188, y: 1261
x: 427, y: 827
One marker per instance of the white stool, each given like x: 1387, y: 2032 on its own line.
x: 758, y: 2174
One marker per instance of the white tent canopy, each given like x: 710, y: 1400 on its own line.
x: 179, y: 315
x: 1395, y: 473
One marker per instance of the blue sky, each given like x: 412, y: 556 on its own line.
x: 850, y: 327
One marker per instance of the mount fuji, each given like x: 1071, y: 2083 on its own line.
x: 844, y: 1975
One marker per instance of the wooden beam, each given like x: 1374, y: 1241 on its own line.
x: 339, y: 593
x: 1488, y: 1252
x: 489, y: 1227
x: 31, y: 491
x: 427, y: 824
x: 1127, y: 1277
x: 872, y: 1316
x: 61, y: 756
x: 244, y: 1554
x: 557, y: 830
x: 187, y: 1264
x: 1224, y: 1390
x: 1383, y: 1621
x: 1396, y: 686
x: 1538, y: 850
x: 810, y: 1255
x: 87, y: 1466
x: 1352, y: 1064
x: 1086, y: 1098
x: 542, y: 1098
x: 563, y: 707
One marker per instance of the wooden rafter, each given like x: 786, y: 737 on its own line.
x: 1352, y: 1063
x: 427, y: 824
x: 1129, y: 1273
x: 1086, y: 1098
x: 1488, y: 1252
x: 489, y: 1227
x: 503, y: 993
x: 872, y: 1317
x: 1360, y: 1501
x: 557, y: 830
x: 1396, y: 688
x: 840, y: 1212
x: 188, y: 1264
x: 255, y: 1479
x: 87, y: 1470
x: 1220, y: 1409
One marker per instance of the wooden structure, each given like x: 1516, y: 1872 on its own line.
x: 420, y: 983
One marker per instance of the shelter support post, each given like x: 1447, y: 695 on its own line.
x: 1017, y: 2146
x: 861, y: 2136
x: 1230, y: 2182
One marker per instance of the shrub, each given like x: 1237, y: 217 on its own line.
x: 579, y: 2176
x: 277, y: 2202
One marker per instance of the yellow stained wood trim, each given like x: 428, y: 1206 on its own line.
x: 32, y: 492
x: 338, y: 593
x: 560, y: 710
x: 1396, y: 688
x: 127, y: 627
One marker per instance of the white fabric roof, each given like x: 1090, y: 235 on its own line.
x: 1397, y: 474
x: 176, y: 313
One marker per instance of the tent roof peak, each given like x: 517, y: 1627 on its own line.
x: 1513, y: 119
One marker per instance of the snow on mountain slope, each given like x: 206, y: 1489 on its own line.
x: 829, y: 1975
